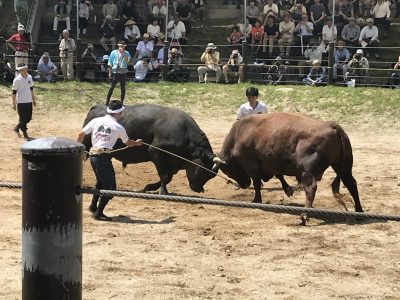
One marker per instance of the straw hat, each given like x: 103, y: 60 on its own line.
x: 174, y: 50
x: 370, y: 20
x: 211, y: 46
x: 130, y: 22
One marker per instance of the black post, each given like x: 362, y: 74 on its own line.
x: 245, y: 55
x: 79, y: 52
x: 51, y: 219
x: 164, y: 66
x: 331, y: 61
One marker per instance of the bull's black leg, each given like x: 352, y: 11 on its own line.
x: 336, y: 185
x: 285, y: 186
x: 257, y: 190
x: 309, y: 183
x: 152, y: 186
x: 160, y: 160
x: 351, y: 185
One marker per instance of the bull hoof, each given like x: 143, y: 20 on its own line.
x: 257, y: 201
x: 289, y: 191
x: 92, y: 208
x: 301, y: 222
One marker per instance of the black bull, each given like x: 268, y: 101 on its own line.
x: 166, y: 128
x: 260, y: 147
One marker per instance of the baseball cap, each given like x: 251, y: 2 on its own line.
x: 20, y: 27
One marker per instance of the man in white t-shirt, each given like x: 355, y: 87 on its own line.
x: 176, y: 30
x: 22, y: 99
x: 105, y: 131
x: 253, y: 106
x: 144, y: 48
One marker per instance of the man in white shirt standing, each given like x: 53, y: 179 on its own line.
x: 177, y: 30
x: 369, y: 37
x: 381, y: 13
x: 67, y: 48
x: 253, y: 106
x: 105, y: 131
x: 22, y: 99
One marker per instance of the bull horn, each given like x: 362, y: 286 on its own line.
x: 218, y: 161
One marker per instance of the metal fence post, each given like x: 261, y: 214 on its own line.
x: 79, y: 53
x: 51, y: 219
x: 245, y: 55
x: 331, y: 61
x: 164, y: 67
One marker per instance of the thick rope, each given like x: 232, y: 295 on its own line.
x: 292, y: 210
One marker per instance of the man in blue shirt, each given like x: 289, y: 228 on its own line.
x: 342, y: 57
x: 317, y: 75
x: 118, y: 69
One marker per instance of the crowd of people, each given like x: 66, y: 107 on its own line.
x: 276, y: 31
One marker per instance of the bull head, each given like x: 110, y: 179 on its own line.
x: 217, y: 163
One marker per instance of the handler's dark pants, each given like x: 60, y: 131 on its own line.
x: 105, y: 176
x: 117, y: 77
x: 25, y: 115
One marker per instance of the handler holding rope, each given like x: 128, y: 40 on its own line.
x: 105, y: 131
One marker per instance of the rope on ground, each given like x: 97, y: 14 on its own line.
x: 311, y: 212
x: 292, y: 210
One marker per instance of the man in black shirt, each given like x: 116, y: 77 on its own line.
x: 271, y: 32
x: 184, y: 12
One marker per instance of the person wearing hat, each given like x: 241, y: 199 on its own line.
x: 317, y: 75
x: 105, y: 131
x: 118, y: 69
x: 357, y: 68
x: 131, y: 32
x: 89, y: 63
x: 342, y: 57
x: 108, y: 30
x: 62, y: 11
x: 20, y: 43
x: 329, y: 32
x: 22, y: 99
x: 253, y: 106
x: 276, y: 73
x: 232, y: 67
x: 144, y: 47
x: 177, y: 72
x: 47, y: 70
x: 210, y: 58
x: 67, y: 48
x: 351, y: 32
x: 110, y: 9
x: 176, y: 30
x: 286, y: 33
x: 369, y: 37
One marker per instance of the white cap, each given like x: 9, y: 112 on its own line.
x: 359, y: 51
x: 20, y: 27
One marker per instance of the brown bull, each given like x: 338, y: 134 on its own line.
x: 259, y: 147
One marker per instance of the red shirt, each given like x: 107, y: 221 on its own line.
x: 257, y: 32
x: 20, y: 42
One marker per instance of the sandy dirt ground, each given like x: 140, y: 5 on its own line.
x: 159, y: 250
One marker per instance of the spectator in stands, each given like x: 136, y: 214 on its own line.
x: 329, y: 32
x: 344, y: 12
x: 298, y: 11
x: 108, y: 30
x: 276, y: 73
x: 184, y: 12
x: 177, y: 72
x: 351, y: 32
x: 144, y: 48
x: 369, y: 37
x: 118, y: 69
x: 357, y: 68
x: 62, y: 12
x: 85, y: 7
x: 313, y: 52
x: 252, y: 13
x: 397, y: 5
x: 246, y: 32
x: 342, y: 57
x: 210, y: 58
x: 284, y: 5
x: 257, y: 36
x: 154, y: 30
x: 236, y: 37
x: 304, y: 34
x: 141, y: 69
x: 67, y: 48
x: 201, y: 10
x: 20, y: 43
x: 270, y: 9
x: 381, y: 13
x: 159, y: 11
x: 131, y: 32
x: 129, y: 12
x: 396, y: 74
x: 89, y: 63
x: 271, y: 32
x: 231, y: 68
x: 286, y: 32
x: 253, y: 106
x: 317, y: 14
x: 47, y: 71
x: 110, y: 9
x: 176, y: 30
x: 317, y: 75
x: 175, y: 4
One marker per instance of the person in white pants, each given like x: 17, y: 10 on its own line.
x: 20, y: 43
x: 62, y: 12
x: 67, y: 48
